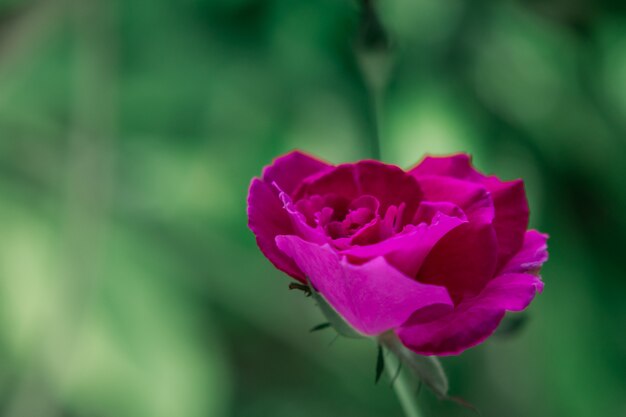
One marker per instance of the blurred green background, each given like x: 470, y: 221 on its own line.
x: 130, y: 285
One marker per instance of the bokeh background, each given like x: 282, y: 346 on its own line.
x: 130, y: 129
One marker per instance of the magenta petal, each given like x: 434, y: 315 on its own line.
x: 298, y: 220
x: 511, y: 220
x: 467, y: 326
x: 509, y: 198
x: 456, y: 166
x: 531, y: 256
x: 267, y: 218
x: 289, y: 170
x: 428, y: 209
x: 512, y: 292
x: 373, y: 297
x: 464, y: 260
x: 407, y: 250
x: 473, y: 198
x: 389, y: 184
x: 473, y: 320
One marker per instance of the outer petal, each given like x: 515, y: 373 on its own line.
x: 407, y: 251
x: 511, y: 221
x: 289, y: 170
x: 455, y: 166
x: 464, y: 260
x: 267, y: 218
x: 467, y: 326
x: 473, y: 320
x: 531, y: 257
x: 509, y: 198
x: 512, y: 292
x: 373, y: 297
x: 388, y: 183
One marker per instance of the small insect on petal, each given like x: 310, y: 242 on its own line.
x: 305, y: 288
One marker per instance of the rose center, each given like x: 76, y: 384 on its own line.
x: 339, y: 217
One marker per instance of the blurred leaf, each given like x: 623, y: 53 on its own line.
x: 138, y: 352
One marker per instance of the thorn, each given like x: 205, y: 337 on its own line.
x: 321, y: 326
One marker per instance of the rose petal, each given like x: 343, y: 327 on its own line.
x: 511, y: 221
x: 428, y: 209
x: 298, y: 220
x: 289, y: 170
x: 371, y: 233
x: 473, y: 320
x: 406, y: 251
x: 512, y: 292
x: 373, y: 297
x: 388, y: 183
x: 464, y: 260
x: 472, y: 198
x: 456, y: 166
x: 509, y: 198
x: 531, y: 256
x: 267, y: 218
x: 467, y: 326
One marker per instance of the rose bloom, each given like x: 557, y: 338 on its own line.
x: 436, y: 254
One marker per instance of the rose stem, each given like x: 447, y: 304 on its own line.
x: 402, y: 386
x: 373, y: 56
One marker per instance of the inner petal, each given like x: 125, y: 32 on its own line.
x: 319, y: 210
x: 427, y: 210
x: 361, y: 212
x: 388, y: 184
x: 381, y: 228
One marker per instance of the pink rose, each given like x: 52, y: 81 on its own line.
x: 436, y: 254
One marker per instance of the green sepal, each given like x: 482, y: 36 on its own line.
x: 320, y: 326
x: 427, y: 368
x: 380, y: 364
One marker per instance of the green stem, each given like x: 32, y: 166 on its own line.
x: 403, y: 387
x: 373, y: 54
x: 377, y: 109
x: 375, y: 84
